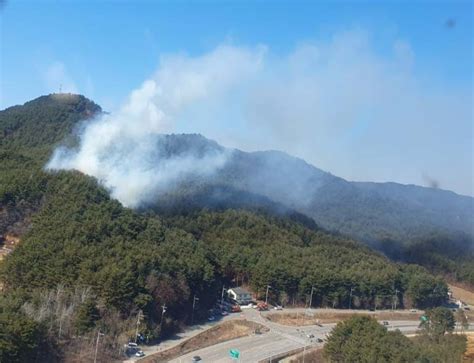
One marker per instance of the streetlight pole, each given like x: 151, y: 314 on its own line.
x: 396, y: 298
x: 97, y: 345
x: 350, y: 298
x: 194, y: 305
x: 311, y: 298
x: 222, y: 295
x: 375, y: 301
x: 139, y: 317
x: 266, y: 294
x: 163, y: 311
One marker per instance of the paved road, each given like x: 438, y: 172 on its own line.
x: 279, y: 339
x: 180, y: 337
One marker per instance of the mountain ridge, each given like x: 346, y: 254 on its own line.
x: 369, y: 211
x: 382, y: 215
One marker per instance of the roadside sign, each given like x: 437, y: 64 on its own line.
x: 234, y: 353
x: 424, y: 318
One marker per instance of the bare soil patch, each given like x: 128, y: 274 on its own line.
x: 469, y: 355
x: 301, y: 319
x: 462, y: 294
x: 228, y: 330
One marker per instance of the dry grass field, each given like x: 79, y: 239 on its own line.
x: 469, y: 355
x: 332, y: 316
x: 463, y: 294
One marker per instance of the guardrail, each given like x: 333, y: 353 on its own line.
x: 277, y: 357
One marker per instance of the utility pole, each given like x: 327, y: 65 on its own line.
x: 163, y: 311
x: 97, y: 346
x: 375, y: 299
x: 311, y: 298
x: 139, y: 318
x: 350, y: 298
x: 266, y: 294
x: 396, y: 298
x: 194, y: 304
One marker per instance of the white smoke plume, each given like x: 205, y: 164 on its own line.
x: 340, y: 104
x: 122, y: 149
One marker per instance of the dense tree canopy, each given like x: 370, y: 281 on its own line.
x: 361, y: 339
x: 87, y: 263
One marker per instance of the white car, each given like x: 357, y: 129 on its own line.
x: 139, y: 354
x: 278, y: 307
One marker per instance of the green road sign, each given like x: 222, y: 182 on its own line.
x: 424, y: 318
x: 234, y: 353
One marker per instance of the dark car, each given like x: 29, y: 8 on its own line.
x: 196, y: 358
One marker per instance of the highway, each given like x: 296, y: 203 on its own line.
x: 280, y: 339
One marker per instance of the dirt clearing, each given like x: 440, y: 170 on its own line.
x: 228, y: 330
x: 462, y: 294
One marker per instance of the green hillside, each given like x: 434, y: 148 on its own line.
x: 86, y: 262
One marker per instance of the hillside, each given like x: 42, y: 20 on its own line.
x: 28, y: 133
x: 368, y: 211
x: 85, y: 261
x: 406, y: 222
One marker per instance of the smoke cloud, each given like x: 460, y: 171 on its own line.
x: 125, y: 150
x: 361, y: 113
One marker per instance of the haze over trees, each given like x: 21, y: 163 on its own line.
x: 86, y: 263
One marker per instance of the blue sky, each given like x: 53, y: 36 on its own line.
x: 106, y: 49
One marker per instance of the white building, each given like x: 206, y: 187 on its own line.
x: 240, y: 295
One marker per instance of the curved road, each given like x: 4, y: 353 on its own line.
x: 280, y: 339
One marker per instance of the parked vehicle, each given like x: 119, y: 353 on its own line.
x: 196, y: 358
x: 385, y: 323
x: 278, y: 307
x: 139, y: 354
x: 236, y: 309
x: 262, y: 306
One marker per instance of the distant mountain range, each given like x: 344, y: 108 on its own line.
x: 364, y: 210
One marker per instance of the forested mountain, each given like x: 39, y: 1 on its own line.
x: 85, y: 262
x: 406, y: 222
x: 368, y: 211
